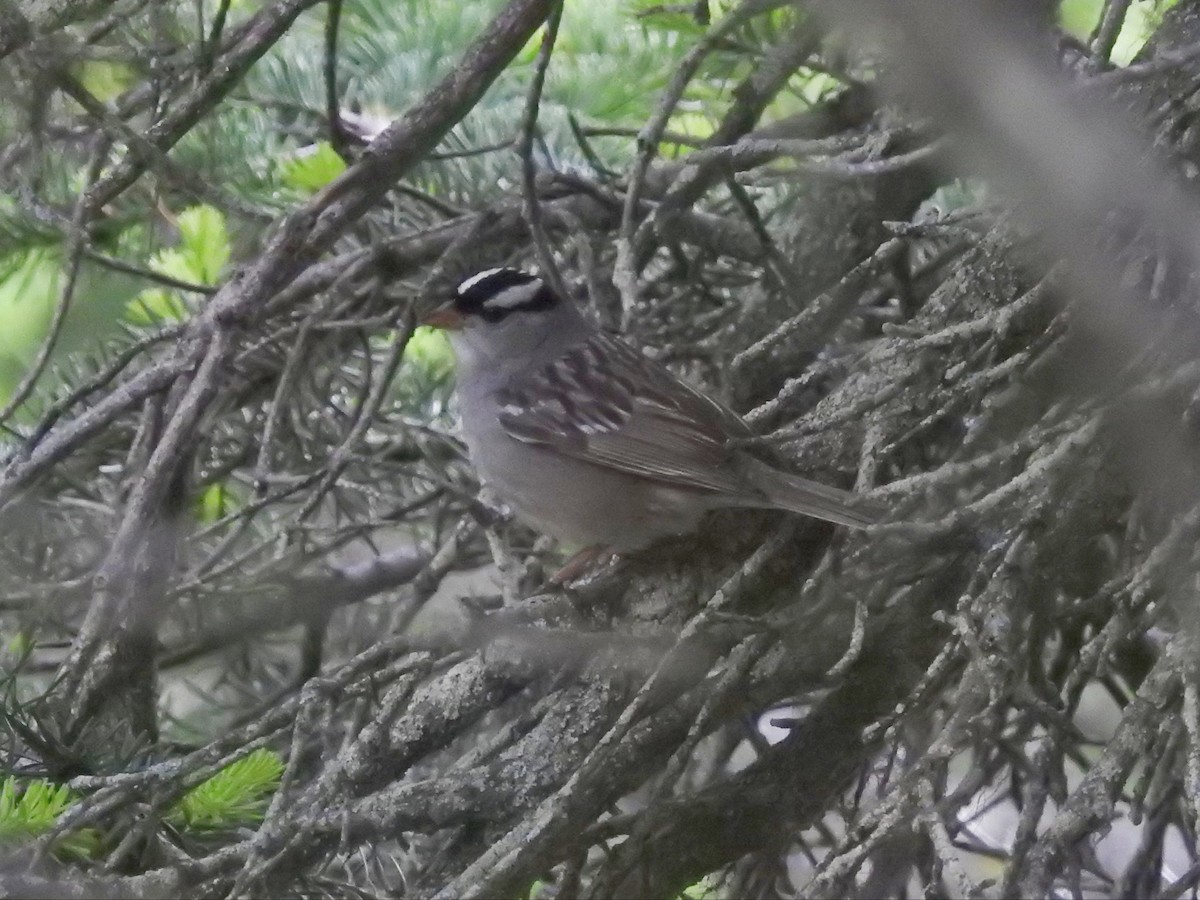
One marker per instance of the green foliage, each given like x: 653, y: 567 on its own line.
x: 608, y: 67
x: 959, y: 194
x: 200, y: 258
x: 204, y: 242
x: 106, y: 79
x: 667, y: 17
x: 218, y: 500
x: 237, y: 795
x: 29, y: 288
x: 18, y: 645
x: 32, y: 811
x: 429, y: 350
x: 1143, y: 20
x: 23, y: 225
x: 312, y: 168
x: 426, y: 371
x: 1080, y: 18
x: 701, y: 890
x: 29, y: 284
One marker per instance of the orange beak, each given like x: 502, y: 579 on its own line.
x: 445, y: 317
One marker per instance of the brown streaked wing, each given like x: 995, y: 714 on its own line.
x: 603, y: 402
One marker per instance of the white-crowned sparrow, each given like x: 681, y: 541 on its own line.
x: 587, y: 439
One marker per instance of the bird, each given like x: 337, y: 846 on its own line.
x: 588, y: 440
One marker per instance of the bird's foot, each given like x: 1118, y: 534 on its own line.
x: 578, y: 564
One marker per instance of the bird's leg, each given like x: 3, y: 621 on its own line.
x: 581, y: 562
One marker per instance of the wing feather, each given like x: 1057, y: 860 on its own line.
x: 605, y: 403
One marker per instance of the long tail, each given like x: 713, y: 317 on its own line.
x: 810, y: 498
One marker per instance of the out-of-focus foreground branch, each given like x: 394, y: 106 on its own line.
x: 998, y: 679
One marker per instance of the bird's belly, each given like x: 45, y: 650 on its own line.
x: 579, y: 503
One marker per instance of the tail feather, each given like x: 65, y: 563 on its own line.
x: 783, y: 490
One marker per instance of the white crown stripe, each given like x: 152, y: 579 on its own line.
x: 478, y: 277
x: 513, y: 297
